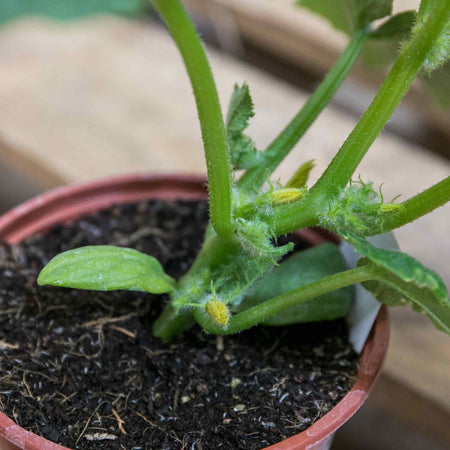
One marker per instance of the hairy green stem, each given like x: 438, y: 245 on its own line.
x: 209, y: 112
x: 169, y: 324
x: 286, y: 140
x: 295, y: 216
x: 214, y: 252
x: 395, y: 86
x: 257, y: 314
x: 417, y: 206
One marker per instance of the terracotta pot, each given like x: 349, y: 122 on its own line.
x: 68, y: 203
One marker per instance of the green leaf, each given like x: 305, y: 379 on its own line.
x: 298, y: 270
x: 397, y: 26
x: 242, y: 149
x: 382, y: 292
x: 65, y: 9
x: 106, y: 268
x: 240, y: 110
x: 244, y: 154
x: 398, y: 278
x: 349, y: 15
x: 255, y: 237
x: 385, y: 42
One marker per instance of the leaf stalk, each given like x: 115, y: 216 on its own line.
x: 288, y: 138
x: 257, y: 314
x: 210, y: 114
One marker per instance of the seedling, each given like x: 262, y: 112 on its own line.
x: 237, y: 282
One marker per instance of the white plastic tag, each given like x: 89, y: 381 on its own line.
x: 365, y: 307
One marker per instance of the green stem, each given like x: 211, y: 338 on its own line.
x: 395, y: 86
x: 302, y: 214
x: 169, y: 324
x: 417, y: 206
x: 209, y: 112
x: 214, y: 252
x: 257, y: 314
x: 287, y: 139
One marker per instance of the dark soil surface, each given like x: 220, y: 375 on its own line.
x: 82, y: 368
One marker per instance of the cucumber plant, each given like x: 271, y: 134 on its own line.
x: 236, y: 281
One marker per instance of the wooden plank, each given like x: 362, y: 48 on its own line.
x: 24, y: 165
x: 418, y: 412
x: 304, y: 40
x: 109, y: 96
x: 290, y: 32
x: 419, y: 356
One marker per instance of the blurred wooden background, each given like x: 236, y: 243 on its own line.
x: 300, y: 47
x: 107, y: 95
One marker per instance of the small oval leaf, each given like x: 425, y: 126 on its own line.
x: 106, y: 268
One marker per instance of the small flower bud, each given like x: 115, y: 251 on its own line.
x: 218, y: 312
x: 390, y: 207
x: 285, y: 196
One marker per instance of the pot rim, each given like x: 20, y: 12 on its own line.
x: 70, y: 202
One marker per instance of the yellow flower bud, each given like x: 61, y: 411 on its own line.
x: 390, y: 207
x: 218, y: 312
x: 285, y: 196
